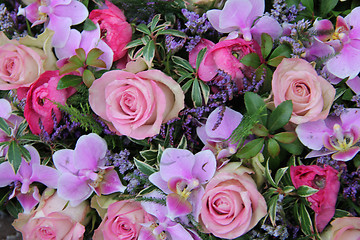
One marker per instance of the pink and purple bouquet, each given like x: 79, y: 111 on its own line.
x: 180, y: 119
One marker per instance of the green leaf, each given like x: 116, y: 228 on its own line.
x: 5, y: 126
x: 69, y: 81
x: 205, y: 89
x: 68, y: 68
x: 182, y: 143
x: 274, y: 62
x: 339, y: 213
x: 144, y: 167
x: 93, y: 55
x: 266, y: 44
x: 273, y: 147
x: 89, y: 25
x: 326, y: 6
x: 147, y: 190
x: 76, y: 61
x: 288, y: 189
x: 196, y: 93
x: 21, y: 129
x: 251, y: 60
x: 251, y: 149
x: 280, y: 116
x: 143, y: 28
x: 134, y: 43
x: 162, y: 26
x: 268, y: 175
x: 305, y: 220
x: 29, y: 137
x: 25, y: 153
x: 149, y: 52
x: 295, y: 147
x: 160, y: 152
x: 260, y: 130
x: 253, y: 103
x: 172, y: 32
x: 187, y: 85
x: 14, y: 208
x: 282, y: 50
x: 88, y: 77
x: 279, y: 174
x: 285, y: 137
x: 272, y: 203
x: 81, y: 54
x: 154, y: 22
x: 306, y: 191
x: 14, y: 155
x: 200, y: 57
x: 149, y: 155
x: 182, y: 63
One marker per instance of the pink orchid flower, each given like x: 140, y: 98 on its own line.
x: 83, y: 170
x: 338, y: 135
x: 58, y: 15
x: 238, y: 16
x: 345, y: 41
x: 28, y: 173
x: 181, y: 176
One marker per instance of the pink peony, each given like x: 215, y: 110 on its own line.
x: 136, y: 105
x: 312, y: 96
x: 343, y: 228
x: 116, y: 32
x: 124, y: 220
x: 40, y: 106
x: 53, y: 219
x: 231, y: 205
x: 327, y: 181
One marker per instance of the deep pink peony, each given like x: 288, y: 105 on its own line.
x: 115, y: 30
x: 327, y: 181
x: 136, y: 105
x: 40, y: 106
x: 122, y: 221
x: 312, y: 96
x: 231, y: 205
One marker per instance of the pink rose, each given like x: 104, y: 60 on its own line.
x: 22, y: 62
x: 327, y: 181
x: 226, y: 55
x: 136, y: 105
x: 53, y: 219
x: 343, y: 228
x: 39, y: 102
x: 312, y: 96
x: 123, y: 221
x: 231, y: 205
x: 116, y: 32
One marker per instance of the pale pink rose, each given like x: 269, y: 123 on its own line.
x: 22, y: 62
x: 312, y: 96
x: 53, y: 219
x: 343, y: 228
x: 122, y: 221
x: 231, y: 205
x: 136, y: 105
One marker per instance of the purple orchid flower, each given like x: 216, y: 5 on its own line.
x: 181, y: 176
x: 216, y: 138
x: 164, y: 227
x: 86, y: 40
x: 28, y: 173
x: 58, y: 15
x: 83, y: 170
x: 238, y: 16
x: 345, y: 41
x: 338, y: 135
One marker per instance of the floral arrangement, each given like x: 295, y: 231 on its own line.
x: 180, y: 119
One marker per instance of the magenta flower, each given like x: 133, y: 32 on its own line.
x: 83, y: 170
x: 28, y: 173
x: 216, y: 138
x: 238, y: 16
x: 181, y: 176
x: 338, y: 135
x: 86, y: 40
x: 345, y: 41
x: 58, y: 15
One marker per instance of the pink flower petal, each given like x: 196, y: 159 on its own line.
x: 111, y: 183
x: 177, y: 206
x: 346, y: 63
x: 311, y: 134
x: 354, y: 84
x: 76, y: 11
x: 176, y: 163
x: 7, y: 174
x: 68, y: 49
x: 29, y: 200
x: 61, y: 28
x: 205, y: 166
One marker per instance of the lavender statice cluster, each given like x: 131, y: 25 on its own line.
x: 14, y: 26
x: 284, y: 14
x: 253, y: 85
x: 351, y: 183
x: 297, y: 34
x: 356, y: 99
x: 338, y: 109
x: 173, y: 44
x: 6, y: 22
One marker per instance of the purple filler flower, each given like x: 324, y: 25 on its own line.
x: 339, y: 135
x: 83, y: 170
x: 238, y: 16
x: 58, y: 15
x: 216, y: 132
x: 28, y: 173
x: 181, y: 176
